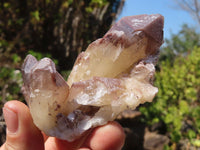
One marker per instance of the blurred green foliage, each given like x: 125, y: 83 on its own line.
x: 10, y: 83
x: 180, y: 44
x: 177, y: 103
x: 62, y: 28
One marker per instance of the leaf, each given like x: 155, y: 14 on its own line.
x: 169, y: 118
x: 184, y: 108
x: 175, y: 136
x: 191, y: 134
x: 196, y: 142
x: 16, y: 58
x: 6, y: 5
x: 36, y: 15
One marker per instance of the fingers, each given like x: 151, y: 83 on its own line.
x: 107, y: 137
x: 53, y: 143
x: 21, y: 132
x: 57, y: 144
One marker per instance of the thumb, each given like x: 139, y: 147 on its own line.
x: 21, y: 133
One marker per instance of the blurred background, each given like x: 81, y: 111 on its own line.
x: 61, y: 29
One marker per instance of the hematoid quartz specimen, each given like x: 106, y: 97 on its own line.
x: 115, y: 73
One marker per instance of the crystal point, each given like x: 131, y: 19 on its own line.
x: 115, y: 73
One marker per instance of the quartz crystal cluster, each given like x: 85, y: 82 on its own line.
x: 115, y: 73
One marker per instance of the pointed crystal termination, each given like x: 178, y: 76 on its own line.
x: 130, y: 40
x: 115, y: 73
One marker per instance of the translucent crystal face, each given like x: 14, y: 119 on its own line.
x: 115, y: 73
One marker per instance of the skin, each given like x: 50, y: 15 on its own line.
x: 22, y: 134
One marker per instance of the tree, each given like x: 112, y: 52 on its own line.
x: 180, y: 44
x: 62, y: 28
x: 178, y: 100
x: 176, y: 106
x: 192, y: 7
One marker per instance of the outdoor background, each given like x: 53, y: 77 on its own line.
x: 61, y: 29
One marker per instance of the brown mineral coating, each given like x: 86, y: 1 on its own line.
x: 151, y: 25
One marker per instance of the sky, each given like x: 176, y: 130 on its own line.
x: 174, y: 16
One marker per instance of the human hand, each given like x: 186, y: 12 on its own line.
x: 22, y: 134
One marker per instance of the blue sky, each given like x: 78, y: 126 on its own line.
x: 174, y: 16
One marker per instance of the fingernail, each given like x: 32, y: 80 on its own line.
x: 11, y: 120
